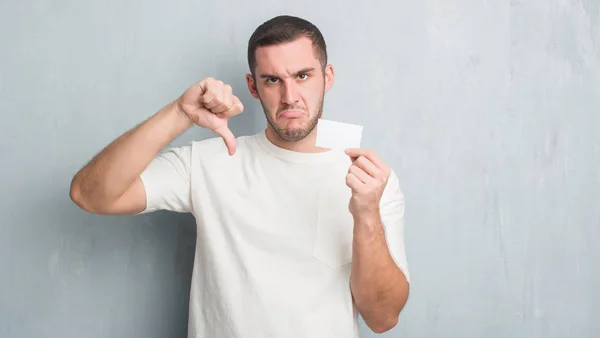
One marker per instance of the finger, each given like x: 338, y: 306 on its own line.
x: 353, y: 182
x: 228, y: 137
x: 355, y: 153
x: 360, y: 174
x: 208, y: 99
x: 236, y: 107
x: 367, y: 166
x: 226, y: 100
x: 212, y: 96
x: 368, y: 153
x: 201, y: 86
x: 204, y: 94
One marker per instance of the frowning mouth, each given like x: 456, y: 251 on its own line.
x: 292, y: 113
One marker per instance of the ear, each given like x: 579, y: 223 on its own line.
x: 329, y: 77
x: 252, y: 85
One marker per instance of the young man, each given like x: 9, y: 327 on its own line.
x: 292, y: 240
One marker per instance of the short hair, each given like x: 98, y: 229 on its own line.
x: 282, y: 29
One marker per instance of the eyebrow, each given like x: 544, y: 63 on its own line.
x: 302, y: 71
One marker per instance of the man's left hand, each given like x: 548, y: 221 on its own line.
x: 367, y: 177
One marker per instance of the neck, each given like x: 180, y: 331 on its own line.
x: 306, y: 145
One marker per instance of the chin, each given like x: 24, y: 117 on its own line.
x: 293, y: 137
x: 295, y: 134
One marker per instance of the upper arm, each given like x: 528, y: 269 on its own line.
x: 163, y: 185
x: 392, y: 215
x: 132, y: 201
x: 166, y: 182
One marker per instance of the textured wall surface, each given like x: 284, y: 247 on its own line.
x: 488, y: 110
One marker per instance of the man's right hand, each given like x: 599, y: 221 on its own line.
x: 209, y: 103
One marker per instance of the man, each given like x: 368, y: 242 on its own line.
x: 292, y: 240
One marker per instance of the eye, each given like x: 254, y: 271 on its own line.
x: 272, y: 80
x: 303, y: 76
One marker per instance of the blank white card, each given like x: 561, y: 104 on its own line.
x: 338, y: 135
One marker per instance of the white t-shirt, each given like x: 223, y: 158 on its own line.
x: 274, y: 236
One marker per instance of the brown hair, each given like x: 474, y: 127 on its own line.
x: 286, y: 28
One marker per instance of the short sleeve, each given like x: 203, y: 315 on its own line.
x: 166, y: 181
x: 392, y: 216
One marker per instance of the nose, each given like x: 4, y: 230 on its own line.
x: 289, y: 93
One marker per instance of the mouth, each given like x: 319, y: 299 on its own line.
x: 292, y: 114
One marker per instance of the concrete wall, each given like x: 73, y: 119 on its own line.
x: 488, y: 110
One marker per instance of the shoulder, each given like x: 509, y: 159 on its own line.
x: 216, y: 145
x: 214, y: 148
x: 208, y: 149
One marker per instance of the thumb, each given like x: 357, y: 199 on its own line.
x: 228, y: 137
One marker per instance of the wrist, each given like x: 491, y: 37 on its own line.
x: 180, y: 121
x: 367, y: 218
x: 365, y: 229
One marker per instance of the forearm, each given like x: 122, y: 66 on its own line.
x: 379, y: 287
x: 112, y: 171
